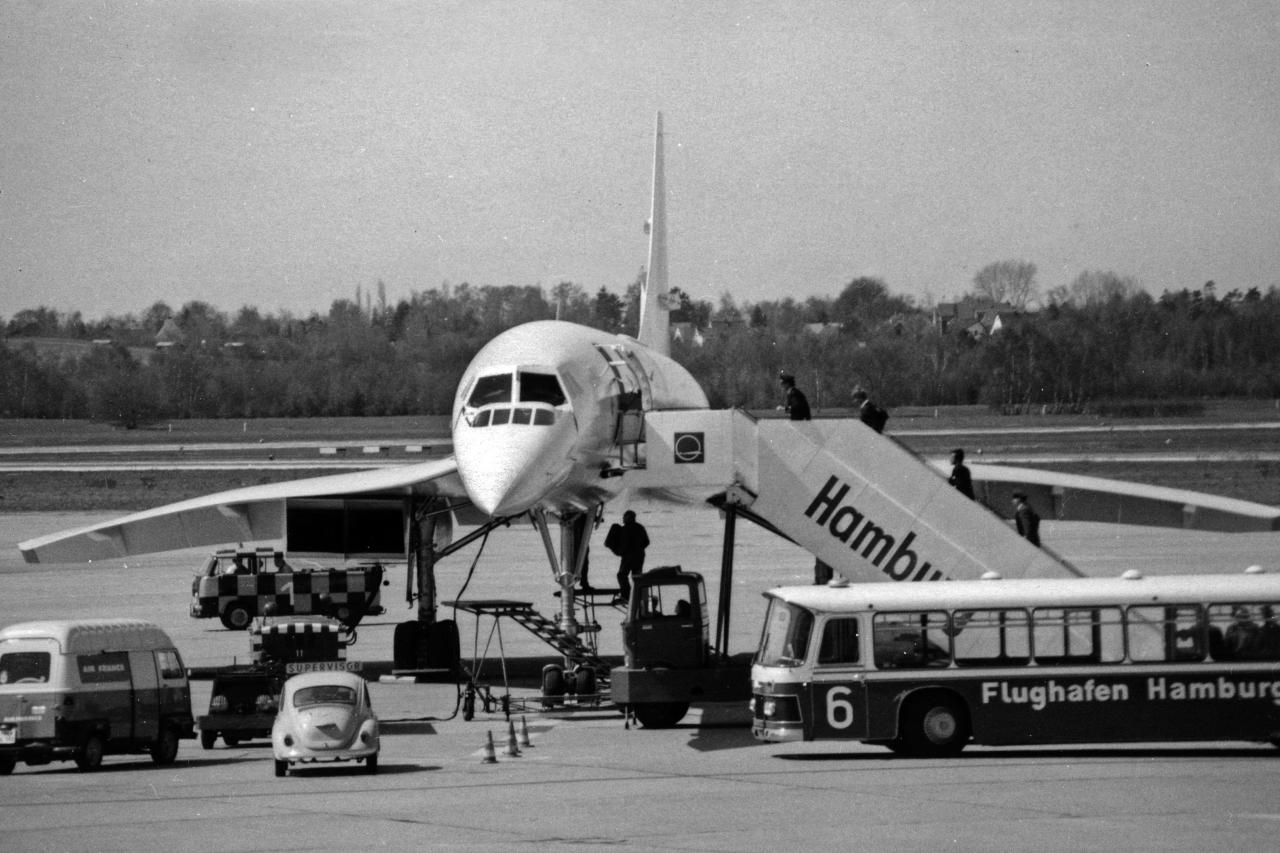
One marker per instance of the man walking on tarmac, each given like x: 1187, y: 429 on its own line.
x: 629, y: 541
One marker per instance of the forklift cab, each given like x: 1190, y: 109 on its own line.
x: 666, y: 624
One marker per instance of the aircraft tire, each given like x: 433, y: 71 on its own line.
x: 553, y: 685
x: 404, y: 644
x: 659, y: 715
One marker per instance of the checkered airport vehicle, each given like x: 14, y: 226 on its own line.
x: 237, y: 585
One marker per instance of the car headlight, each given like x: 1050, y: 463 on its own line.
x: 266, y: 702
x: 218, y: 704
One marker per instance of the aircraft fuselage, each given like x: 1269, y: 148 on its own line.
x: 547, y: 409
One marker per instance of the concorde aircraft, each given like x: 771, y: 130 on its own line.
x: 552, y: 420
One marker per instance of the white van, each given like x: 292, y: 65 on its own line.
x: 80, y: 690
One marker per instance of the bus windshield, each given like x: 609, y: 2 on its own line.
x: 786, y: 635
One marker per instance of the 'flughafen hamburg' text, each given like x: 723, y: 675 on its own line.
x: 1158, y: 689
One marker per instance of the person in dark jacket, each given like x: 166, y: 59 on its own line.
x: 960, y: 476
x: 629, y: 541
x: 796, y: 406
x: 1026, y: 519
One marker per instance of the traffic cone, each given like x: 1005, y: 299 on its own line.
x: 524, y: 734
x: 512, y: 749
x: 489, y: 757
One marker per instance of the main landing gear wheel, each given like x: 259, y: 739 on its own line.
x: 659, y: 715
x: 933, y: 727
x: 236, y: 617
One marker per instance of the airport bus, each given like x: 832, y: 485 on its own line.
x: 925, y: 668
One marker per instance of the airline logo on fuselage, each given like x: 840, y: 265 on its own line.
x: 896, y: 559
x: 690, y: 448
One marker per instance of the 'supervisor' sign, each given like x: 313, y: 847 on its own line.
x: 895, y: 557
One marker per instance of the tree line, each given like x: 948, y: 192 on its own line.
x: 1099, y: 340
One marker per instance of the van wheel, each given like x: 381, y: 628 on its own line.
x: 89, y: 755
x: 7, y: 763
x: 208, y: 739
x: 659, y: 715
x: 236, y: 617
x: 165, y: 749
x: 282, y: 768
x: 934, y: 726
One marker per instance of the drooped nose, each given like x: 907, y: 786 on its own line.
x: 507, y: 469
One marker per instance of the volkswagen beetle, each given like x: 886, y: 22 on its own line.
x: 324, y: 716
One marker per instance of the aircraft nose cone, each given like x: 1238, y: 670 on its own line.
x: 507, y: 469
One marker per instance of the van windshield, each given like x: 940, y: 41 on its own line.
x: 786, y: 635
x: 24, y: 667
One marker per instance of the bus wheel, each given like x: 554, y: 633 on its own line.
x: 236, y: 617
x: 89, y: 755
x: 659, y: 715
x: 934, y: 726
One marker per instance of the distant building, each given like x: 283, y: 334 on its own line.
x: 979, y: 318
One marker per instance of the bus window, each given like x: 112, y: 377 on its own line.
x: 786, y: 635
x: 1078, y: 635
x: 992, y: 638
x: 1170, y: 633
x: 839, y: 641
x: 1242, y: 630
x: 910, y: 640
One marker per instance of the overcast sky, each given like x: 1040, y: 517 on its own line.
x: 282, y: 154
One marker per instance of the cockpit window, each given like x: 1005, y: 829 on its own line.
x: 491, y: 389
x: 540, y: 388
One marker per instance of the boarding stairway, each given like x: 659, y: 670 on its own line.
x: 873, y: 510
x: 574, y: 650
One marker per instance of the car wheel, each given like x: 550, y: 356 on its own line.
x: 89, y: 755
x: 282, y: 768
x: 208, y: 739
x: 7, y: 763
x: 230, y: 739
x: 236, y: 617
x: 165, y: 749
x: 371, y: 764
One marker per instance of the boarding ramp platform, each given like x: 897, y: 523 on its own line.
x: 873, y: 510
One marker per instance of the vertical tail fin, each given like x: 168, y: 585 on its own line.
x: 654, y: 329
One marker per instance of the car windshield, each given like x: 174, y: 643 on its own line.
x: 324, y: 694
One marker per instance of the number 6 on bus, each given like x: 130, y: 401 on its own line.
x: 925, y: 668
